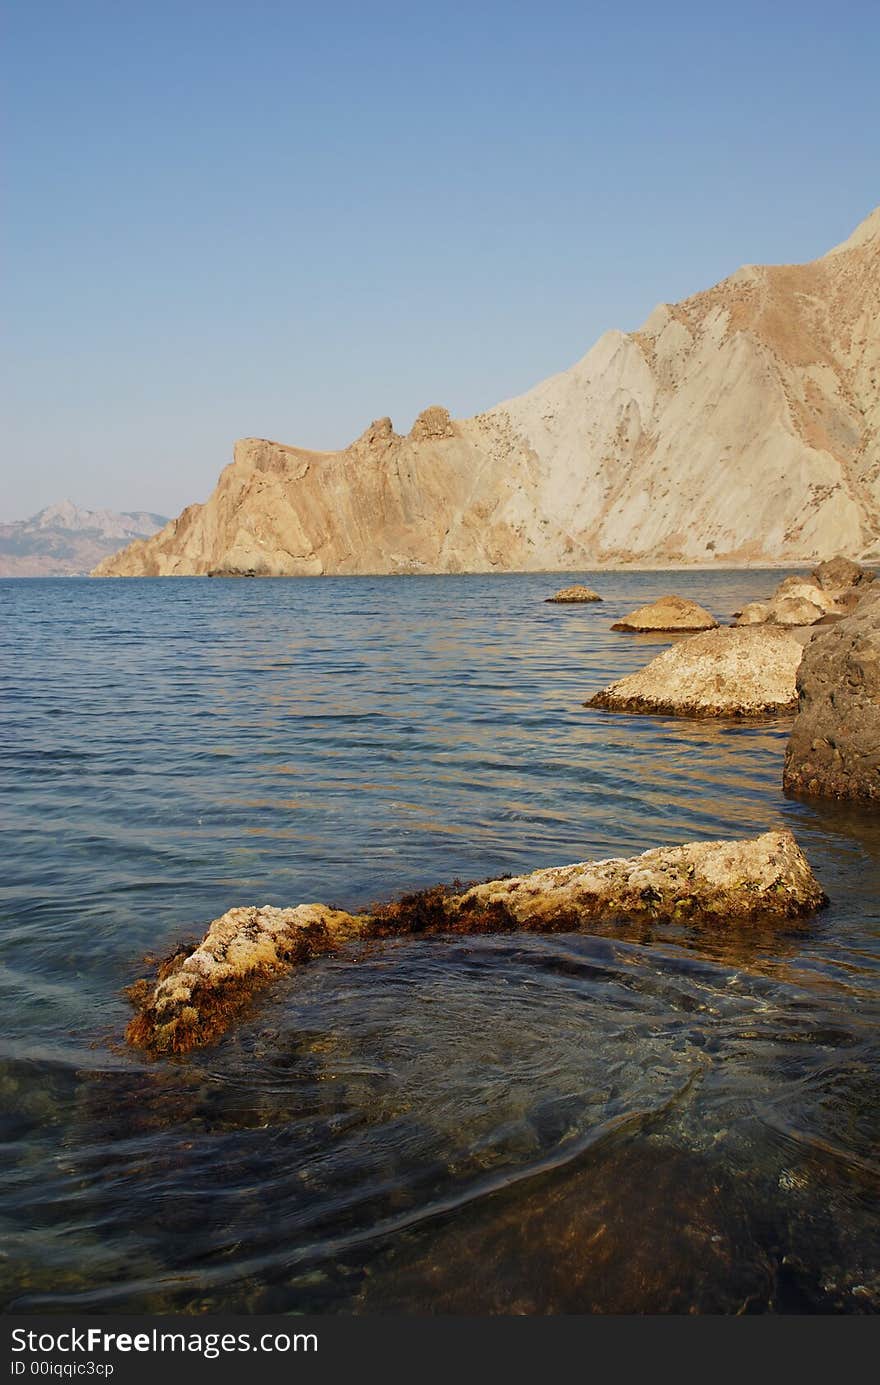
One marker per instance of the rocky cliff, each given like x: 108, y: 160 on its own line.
x: 741, y: 425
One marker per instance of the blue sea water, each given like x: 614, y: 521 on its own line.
x: 638, y: 1119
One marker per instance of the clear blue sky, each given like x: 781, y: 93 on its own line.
x: 286, y: 219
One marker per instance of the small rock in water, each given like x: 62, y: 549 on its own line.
x: 199, y: 992
x: 572, y: 595
x: 668, y: 614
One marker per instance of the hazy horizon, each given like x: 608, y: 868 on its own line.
x: 227, y: 221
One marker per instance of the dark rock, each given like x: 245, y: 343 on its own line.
x: 841, y: 572
x: 834, y: 747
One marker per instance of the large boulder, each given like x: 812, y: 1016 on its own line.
x: 839, y: 573
x: 668, y: 614
x: 729, y: 672
x: 834, y: 747
x: 569, y: 596
x: 199, y: 991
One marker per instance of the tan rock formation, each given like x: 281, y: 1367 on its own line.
x: 668, y: 614
x: 837, y: 574
x: 741, y: 425
x: 782, y: 610
x: 198, y: 993
x: 569, y: 596
x: 722, y: 673
x: 832, y: 589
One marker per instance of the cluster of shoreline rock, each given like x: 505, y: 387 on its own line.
x: 832, y: 590
x: 813, y: 647
x: 769, y: 662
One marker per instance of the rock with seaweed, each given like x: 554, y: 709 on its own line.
x: 199, y: 992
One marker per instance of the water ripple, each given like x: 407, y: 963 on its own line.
x: 641, y: 1119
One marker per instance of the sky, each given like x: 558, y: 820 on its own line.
x: 285, y: 220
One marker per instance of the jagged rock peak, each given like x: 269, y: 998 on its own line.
x: 433, y: 422
x: 380, y: 433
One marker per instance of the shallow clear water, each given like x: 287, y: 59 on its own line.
x: 640, y: 1120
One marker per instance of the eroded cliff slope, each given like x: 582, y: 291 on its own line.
x: 740, y: 425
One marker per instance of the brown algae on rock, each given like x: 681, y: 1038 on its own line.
x: 197, y: 994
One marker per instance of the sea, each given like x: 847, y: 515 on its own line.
x: 633, y: 1119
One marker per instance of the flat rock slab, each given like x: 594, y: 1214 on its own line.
x: 200, y: 991
x: 722, y: 673
x: 570, y: 596
x: 834, y: 747
x: 666, y: 615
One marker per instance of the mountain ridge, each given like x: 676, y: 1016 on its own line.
x: 66, y: 540
x: 740, y: 425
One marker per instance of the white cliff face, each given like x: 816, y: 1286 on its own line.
x: 740, y: 425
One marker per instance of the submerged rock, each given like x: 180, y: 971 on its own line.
x: 199, y: 992
x: 571, y: 595
x: 834, y: 747
x: 730, y: 672
x: 667, y: 614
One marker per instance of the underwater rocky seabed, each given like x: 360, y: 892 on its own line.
x: 641, y: 1118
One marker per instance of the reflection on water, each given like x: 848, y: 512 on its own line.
x: 639, y: 1119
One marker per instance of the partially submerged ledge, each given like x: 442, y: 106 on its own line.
x: 199, y: 992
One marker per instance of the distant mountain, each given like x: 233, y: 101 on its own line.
x: 741, y: 425
x: 67, y: 541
